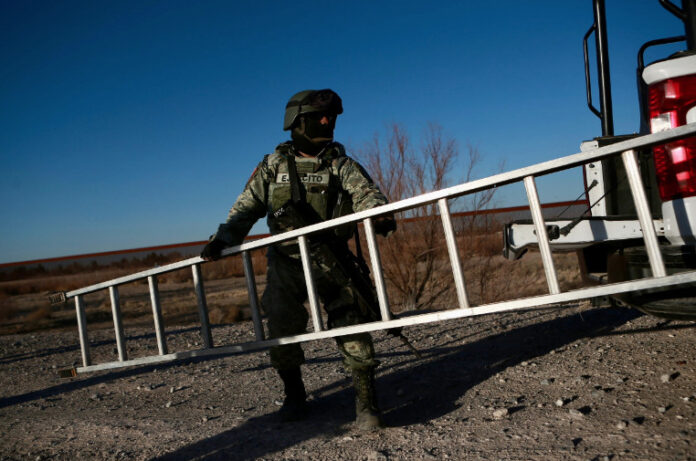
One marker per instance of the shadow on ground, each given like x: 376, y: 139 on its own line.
x: 99, y: 377
x: 76, y: 347
x: 434, y: 386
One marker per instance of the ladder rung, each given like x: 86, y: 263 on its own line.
x: 253, y: 295
x: 542, y: 235
x: 652, y: 247
x: 118, y: 323
x: 202, y: 306
x: 82, y: 330
x: 157, y: 315
x: 309, y: 280
x: 376, y: 263
x: 453, y: 253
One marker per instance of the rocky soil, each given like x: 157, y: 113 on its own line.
x: 575, y: 383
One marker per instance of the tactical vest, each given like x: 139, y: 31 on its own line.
x: 321, y: 189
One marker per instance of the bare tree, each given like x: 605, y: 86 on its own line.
x: 415, y: 260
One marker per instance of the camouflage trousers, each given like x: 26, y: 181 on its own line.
x: 283, y: 303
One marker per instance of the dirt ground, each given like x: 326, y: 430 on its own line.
x: 576, y: 383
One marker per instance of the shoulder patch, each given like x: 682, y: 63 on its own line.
x: 263, y: 165
x: 253, y: 173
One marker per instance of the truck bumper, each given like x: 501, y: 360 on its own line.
x: 568, y: 235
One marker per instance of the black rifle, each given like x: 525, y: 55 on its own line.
x: 354, y: 267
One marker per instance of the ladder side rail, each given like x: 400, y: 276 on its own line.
x: 377, y: 274
x: 183, y: 264
x: 542, y: 235
x: 82, y: 330
x: 309, y: 281
x: 501, y: 179
x: 202, y: 306
x: 529, y: 303
x: 118, y: 323
x: 539, y: 169
x: 157, y: 315
x: 253, y: 295
x: 657, y: 265
x: 453, y: 253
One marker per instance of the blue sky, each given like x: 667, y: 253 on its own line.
x: 128, y: 124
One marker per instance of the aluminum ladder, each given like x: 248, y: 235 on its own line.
x: 526, y: 175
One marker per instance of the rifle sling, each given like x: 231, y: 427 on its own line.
x: 295, y: 192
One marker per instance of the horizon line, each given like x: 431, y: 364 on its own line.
x: 258, y: 236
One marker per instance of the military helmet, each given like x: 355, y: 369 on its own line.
x: 311, y: 101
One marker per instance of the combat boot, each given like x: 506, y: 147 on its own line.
x: 294, y: 406
x: 367, y: 414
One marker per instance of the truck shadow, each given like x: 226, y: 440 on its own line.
x: 426, y: 391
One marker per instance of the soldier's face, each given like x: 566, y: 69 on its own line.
x: 319, y: 126
x: 314, y: 132
x: 321, y: 119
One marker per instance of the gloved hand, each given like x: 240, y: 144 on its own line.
x: 213, y: 249
x: 384, y: 225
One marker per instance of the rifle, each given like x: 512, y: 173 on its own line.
x: 354, y: 267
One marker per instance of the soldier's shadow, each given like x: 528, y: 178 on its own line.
x: 419, y: 393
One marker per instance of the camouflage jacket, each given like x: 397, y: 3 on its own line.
x: 322, y: 178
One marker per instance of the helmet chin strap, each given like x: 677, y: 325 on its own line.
x: 306, y: 144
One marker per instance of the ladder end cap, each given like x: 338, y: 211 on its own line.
x: 57, y: 298
x: 68, y: 373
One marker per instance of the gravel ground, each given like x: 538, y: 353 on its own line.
x: 577, y: 382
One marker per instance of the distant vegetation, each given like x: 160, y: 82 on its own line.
x: 36, y: 279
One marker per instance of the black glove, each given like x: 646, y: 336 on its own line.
x: 384, y: 225
x: 213, y: 249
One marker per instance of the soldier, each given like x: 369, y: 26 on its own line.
x: 329, y: 184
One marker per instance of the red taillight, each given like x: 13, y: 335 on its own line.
x: 670, y: 101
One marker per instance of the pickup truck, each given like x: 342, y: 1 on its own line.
x: 608, y: 238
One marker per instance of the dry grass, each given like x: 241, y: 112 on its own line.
x: 24, y: 304
x: 226, y: 299
x: 58, y: 282
x: 488, y: 276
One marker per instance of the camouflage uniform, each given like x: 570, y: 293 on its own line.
x: 323, y: 178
